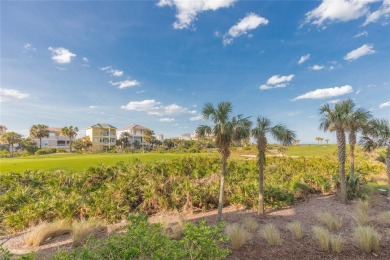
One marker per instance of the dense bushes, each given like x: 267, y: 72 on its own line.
x: 112, y: 192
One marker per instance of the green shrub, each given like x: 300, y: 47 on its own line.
x: 45, y: 151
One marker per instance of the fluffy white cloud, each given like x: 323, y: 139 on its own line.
x: 326, y: 93
x: 61, y: 55
x: 383, y: 11
x: 334, y: 101
x: 187, y: 10
x: 303, y: 58
x: 363, y: 33
x: 167, y: 119
x: 153, y: 107
x: 196, y: 118
x: 317, y: 67
x: 29, y: 47
x: 126, y: 83
x: 365, y: 49
x: 338, y: 11
x: 92, y: 107
x: 277, y: 81
x: 113, y: 72
x: 7, y: 94
x: 249, y: 22
x: 386, y: 104
x: 85, y: 60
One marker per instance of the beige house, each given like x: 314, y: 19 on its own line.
x: 136, y: 132
x: 3, y: 129
x: 102, y: 136
x: 55, y: 139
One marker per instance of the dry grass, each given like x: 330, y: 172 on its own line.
x: 367, y: 239
x: 363, y: 205
x: 84, y: 229
x: 250, y: 224
x: 237, y: 234
x: 384, y: 217
x: 45, y: 231
x: 329, y: 220
x: 336, y: 242
x: 361, y: 217
x: 271, y: 234
x: 322, y: 237
x: 296, y: 229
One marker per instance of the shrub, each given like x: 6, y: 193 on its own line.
x: 322, y: 237
x: 237, y: 234
x: 5, y: 254
x: 45, y: 231
x: 384, y: 217
x: 45, y: 151
x: 271, y: 234
x: 367, y: 239
x: 250, y: 224
x: 296, y: 229
x: 86, y: 229
x: 336, y: 243
x: 329, y: 220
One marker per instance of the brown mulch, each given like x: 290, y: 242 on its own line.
x: 257, y: 248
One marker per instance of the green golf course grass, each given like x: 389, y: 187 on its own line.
x: 317, y: 150
x: 77, y: 162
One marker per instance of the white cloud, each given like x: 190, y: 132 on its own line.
x: 338, y: 11
x: 113, y: 72
x: 317, y: 67
x: 85, y: 60
x: 126, y: 83
x: 334, y: 101
x: 303, y: 58
x: 153, y: 107
x: 326, y: 93
x: 61, y: 55
x: 383, y: 11
x: 386, y: 104
x: 167, y: 119
x: 358, y: 91
x: 187, y: 10
x: 249, y: 22
x: 105, y: 68
x: 92, y: 107
x: 277, y: 81
x: 363, y: 33
x: 29, y: 47
x: 196, y: 118
x: 61, y: 68
x: 7, y: 94
x: 365, y: 49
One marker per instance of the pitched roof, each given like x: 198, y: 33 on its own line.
x: 54, y: 129
x: 103, y: 126
x: 137, y: 127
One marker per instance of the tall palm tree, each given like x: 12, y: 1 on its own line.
x: 11, y: 138
x: 377, y: 134
x: 39, y: 131
x: 281, y: 134
x: 71, y: 132
x: 226, y: 130
x: 125, y: 138
x: 357, y: 120
x: 336, y: 119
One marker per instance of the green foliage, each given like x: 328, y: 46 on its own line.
x: 147, y: 241
x: 5, y: 254
x: 45, y: 151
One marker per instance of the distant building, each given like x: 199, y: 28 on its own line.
x: 160, y: 137
x: 137, y: 133
x: 3, y: 129
x: 55, y: 139
x: 102, y: 136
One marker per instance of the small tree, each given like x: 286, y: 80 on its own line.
x: 11, y: 138
x: 71, y: 132
x: 148, y: 136
x: 39, y: 131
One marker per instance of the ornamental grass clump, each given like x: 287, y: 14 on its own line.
x: 85, y: 229
x: 361, y: 212
x: 367, y: 239
x: 329, y: 220
x: 296, y: 229
x: 384, y: 217
x: 271, y: 234
x: 46, y: 231
x: 336, y: 242
x: 237, y: 234
x: 322, y: 236
x: 250, y: 224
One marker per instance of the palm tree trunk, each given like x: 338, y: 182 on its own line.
x: 261, y: 189
x: 12, y: 150
x: 340, y: 135
x: 70, y: 145
x: 222, y: 188
x: 352, y: 142
x: 40, y: 142
x: 388, y: 165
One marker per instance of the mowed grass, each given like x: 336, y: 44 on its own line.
x: 77, y: 162
x: 318, y: 150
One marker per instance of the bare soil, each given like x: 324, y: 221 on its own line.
x: 257, y: 248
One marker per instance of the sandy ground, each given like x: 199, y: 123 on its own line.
x: 257, y: 248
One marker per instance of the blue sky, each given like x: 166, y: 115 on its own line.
x: 156, y: 63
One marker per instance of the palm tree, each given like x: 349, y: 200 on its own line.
x: 148, y: 136
x: 377, y: 134
x: 125, y: 138
x: 281, y: 134
x: 203, y: 131
x: 11, y: 138
x: 357, y: 120
x: 39, y: 131
x: 226, y: 130
x: 71, y: 132
x: 327, y: 141
x: 336, y: 119
x: 318, y: 139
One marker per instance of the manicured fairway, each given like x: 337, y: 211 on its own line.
x: 77, y: 162
x: 312, y: 150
